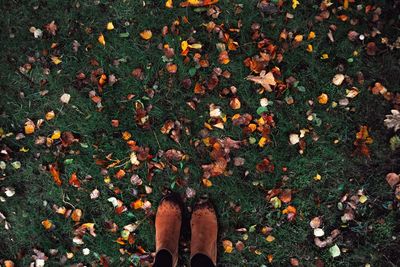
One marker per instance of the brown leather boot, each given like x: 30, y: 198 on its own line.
x: 204, y: 231
x: 168, y: 226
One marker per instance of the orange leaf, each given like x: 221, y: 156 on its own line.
x: 120, y: 174
x: 47, y: 224
x: 76, y: 215
x: 29, y: 127
x: 96, y: 99
x: 228, y: 246
x: 198, y: 3
x: 223, y: 57
x: 74, y: 181
x: 286, y: 196
x: 137, y: 204
x: 323, y: 99
x: 101, y: 39
x: 146, y: 34
x: 172, y: 68
x: 199, y: 89
x: 56, y: 174
x: 206, y: 183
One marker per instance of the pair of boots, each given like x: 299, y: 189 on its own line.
x: 204, y: 228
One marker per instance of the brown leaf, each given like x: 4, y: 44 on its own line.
x: 173, y: 154
x: 371, y: 49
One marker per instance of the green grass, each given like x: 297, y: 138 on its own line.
x: 372, y: 238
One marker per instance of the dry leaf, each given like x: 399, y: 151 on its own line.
x: 323, y: 99
x: 76, y: 215
x: 101, y: 39
x: 393, y: 120
x: 265, y: 79
x: 393, y: 179
x: 65, y: 98
x: 228, y: 246
x: 146, y: 34
x: 56, y: 174
x: 338, y: 79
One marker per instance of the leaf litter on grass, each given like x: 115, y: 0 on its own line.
x: 211, y: 103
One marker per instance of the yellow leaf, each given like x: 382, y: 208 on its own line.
x: 311, y: 35
x: 146, y: 34
x: 169, y: 4
x: 363, y: 199
x: 317, y: 177
x: 56, y: 135
x: 29, y: 127
x: 56, y: 60
x: 325, y: 56
x: 323, y: 99
x: 184, y: 45
x: 262, y: 142
x: 50, y: 115
x: 207, y: 183
x: 346, y: 4
x: 295, y: 3
x: 195, y: 46
x: 270, y: 238
x: 101, y: 39
x: 24, y: 149
x: 110, y: 26
x: 309, y: 48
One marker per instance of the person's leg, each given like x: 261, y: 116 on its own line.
x: 163, y: 259
x: 203, y: 246
x: 201, y: 260
x: 168, y: 227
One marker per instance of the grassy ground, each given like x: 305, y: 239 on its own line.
x: 371, y: 238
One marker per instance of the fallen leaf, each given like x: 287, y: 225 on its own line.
x: 228, y: 246
x: 318, y: 232
x: 50, y: 115
x: 334, y: 251
x: 65, y: 98
x: 101, y: 39
x: 47, y: 224
x: 56, y: 174
x: 315, y: 222
x: 29, y: 127
x: 295, y: 3
x: 110, y: 26
x: 74, y: 181
x: 76, y: 215
x: 294, y: 139
x: 265, y: 79
x: 169, y: 4
x: 323, y: 99
x: 392, y: 179
x: 338, y: 79
x: 146, y: 34
x: 198, y: 3
x: 51, y: 28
